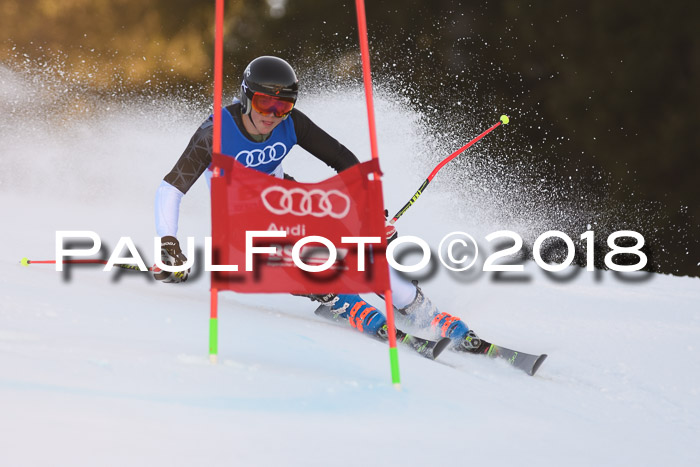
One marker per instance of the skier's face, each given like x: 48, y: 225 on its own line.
x: 264, y: 124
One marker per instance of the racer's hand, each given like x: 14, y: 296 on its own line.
x: 171, y: 254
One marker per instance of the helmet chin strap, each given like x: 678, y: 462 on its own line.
x: 250, y: 117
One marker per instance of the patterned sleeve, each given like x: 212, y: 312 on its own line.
x: 194, y: 160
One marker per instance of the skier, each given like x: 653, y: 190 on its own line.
x: 265, y: 114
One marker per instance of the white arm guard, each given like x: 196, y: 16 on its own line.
x: 167, y: 209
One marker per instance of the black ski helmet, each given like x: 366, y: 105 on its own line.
x: 268, y: 75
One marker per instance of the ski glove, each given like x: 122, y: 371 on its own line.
x: 171, y: 254
x: 391, y: 232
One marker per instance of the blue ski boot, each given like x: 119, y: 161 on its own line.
x: 352, y: 308
x: 423, y: 314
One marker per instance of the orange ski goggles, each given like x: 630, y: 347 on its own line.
x: 272, y: 105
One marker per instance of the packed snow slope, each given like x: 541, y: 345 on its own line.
x: 111, y: 369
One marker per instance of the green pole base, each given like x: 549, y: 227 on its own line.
x: 394, y: 359
x: 213, y: 339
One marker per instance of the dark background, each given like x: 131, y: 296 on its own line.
x: 594, y: 87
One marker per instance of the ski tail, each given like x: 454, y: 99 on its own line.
x: 523, y: 361
x: 538, y: 363
x: 427, y: 348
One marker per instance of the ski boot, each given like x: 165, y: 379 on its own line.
x: 421, y: 313
x: 351, y: 308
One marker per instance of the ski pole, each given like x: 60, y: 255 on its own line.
x: 27, y: 262
x: 504, y: 120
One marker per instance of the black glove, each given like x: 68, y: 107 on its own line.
x: 391, y: 232
x: 171, y: 254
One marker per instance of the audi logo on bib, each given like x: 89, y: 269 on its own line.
x: 301, y: 202
x: 258, y: 157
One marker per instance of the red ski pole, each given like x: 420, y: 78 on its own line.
x: 27, y: 262
x: 504, y: 121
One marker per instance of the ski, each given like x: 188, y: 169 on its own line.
x: 424, y: 347
x: 432, y: 349
x: 523, y: 361
x: 427, y: 348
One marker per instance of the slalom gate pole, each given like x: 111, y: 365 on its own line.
x: 367, y: 75
x: 27, y: 262
x: 504, y: 121
x: 216, y: 149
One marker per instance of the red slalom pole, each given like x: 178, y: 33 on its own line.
x: 504, y: 121
x: 216, y: 149
x: 218, y: 74
x: 367, y: 76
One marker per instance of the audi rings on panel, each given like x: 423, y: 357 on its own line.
x: 301, y: 202
x: 257, y: 157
